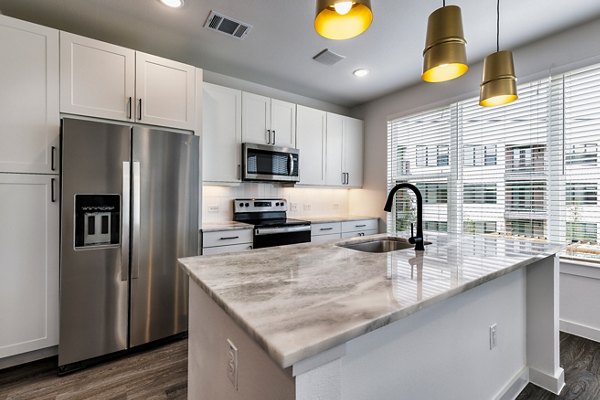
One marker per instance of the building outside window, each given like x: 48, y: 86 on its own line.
x: 581, y: 193
x: 582, y: 154
x: 582, y: 232
x: 480, y: 193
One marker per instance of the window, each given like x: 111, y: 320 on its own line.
x: 480, y: 155
x: 581, y: 193
x: 582, y: 232
x: 528, y: 168
x: 582, y: 154
x: 480, y: 193
x: 433, y: 193
x: 436, y: 226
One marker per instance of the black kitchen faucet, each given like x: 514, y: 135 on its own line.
x: 416, y: 240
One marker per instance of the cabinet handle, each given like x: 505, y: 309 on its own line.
x: 268, y: 136
x: 140, y: 115
x: 249, y: 247
x: 343, y: 178
x: 129, y: 107
x: 360, y: 226
x: 347, y: 178
x: 53, y: 158
x: 229, y: 238
x: 53, y: 190
x: 239, y: 171
x: 273, y: 136
x: 326, y: 229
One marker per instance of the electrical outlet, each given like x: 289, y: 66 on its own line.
x: 213, y: 209
x: 307, y: 207
x: 493, y: 336
x: 293, y: 207
x: 232, y: 363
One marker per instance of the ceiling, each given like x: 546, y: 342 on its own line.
x: 278, y: 51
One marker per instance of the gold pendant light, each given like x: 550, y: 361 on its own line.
x: 445, y: 54
x: 499, y: 82
x: 342, y: 19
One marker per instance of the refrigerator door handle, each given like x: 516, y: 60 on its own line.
x: 125, y: 221
x: 135, y: 257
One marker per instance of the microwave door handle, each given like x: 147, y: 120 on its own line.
x: 291, y: 158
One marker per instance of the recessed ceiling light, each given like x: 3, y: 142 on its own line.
x: 172, y: 3
x: 361, y: 72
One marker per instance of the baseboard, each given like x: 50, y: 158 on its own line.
x: 28, y: 357
x: 515, y: 386
x: 552, y: 383
x: 581, y: 330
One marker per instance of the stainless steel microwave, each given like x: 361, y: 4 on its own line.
x: 270, y: 163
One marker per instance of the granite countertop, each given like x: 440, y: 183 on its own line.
x: 300, y: 300
x: 224, y: 226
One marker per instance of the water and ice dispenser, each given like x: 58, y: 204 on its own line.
x: 97, y: 220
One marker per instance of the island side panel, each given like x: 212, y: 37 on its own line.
x: 259, y: 378
x: 543, y: 354
x: 441, y: 352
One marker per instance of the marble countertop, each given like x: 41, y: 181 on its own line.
x: 300, y: 300
x: 224, y: 226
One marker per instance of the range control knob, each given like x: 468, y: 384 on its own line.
x: 247, y: 204
x: 241, y: 204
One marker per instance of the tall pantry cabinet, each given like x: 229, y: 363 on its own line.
x: 29, y: 186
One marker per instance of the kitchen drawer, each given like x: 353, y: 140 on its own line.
x: 226, y: 238
x: 362, y: 225
x: 326, y: 228
x: 346, y: 235
x: 325, y: 238
x: 235, y: 248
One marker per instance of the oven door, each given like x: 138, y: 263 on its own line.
x: 278, y: 236
x: 270, y: 163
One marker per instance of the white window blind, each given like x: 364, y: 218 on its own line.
x: 527, y: 169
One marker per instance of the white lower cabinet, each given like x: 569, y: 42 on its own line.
x: 227, y: 241
x: 362, y: 227
x: 29, y: 240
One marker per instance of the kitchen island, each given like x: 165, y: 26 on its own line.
x: 471, y: 317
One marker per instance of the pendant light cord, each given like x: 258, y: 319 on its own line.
x: 498, y: 26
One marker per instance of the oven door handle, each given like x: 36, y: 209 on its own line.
x: 287, y: 229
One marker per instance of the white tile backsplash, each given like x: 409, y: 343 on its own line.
x: 217, y: 201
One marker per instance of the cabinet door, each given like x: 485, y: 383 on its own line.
x: 165, y: 92
x: 352, y: 154
x: 325, y: 238
x: 235, y: 248
x: 311, y: 137
x: 256, y: 119
x: 29, y: 246
x: 29, y: 116
x: 96, y: 78
x: 333, y: 166
x: 283, y: 123
x: 221, y: 133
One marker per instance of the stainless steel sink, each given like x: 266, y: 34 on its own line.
x: 382, y: 245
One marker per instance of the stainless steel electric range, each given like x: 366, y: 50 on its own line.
x: 272, y: 227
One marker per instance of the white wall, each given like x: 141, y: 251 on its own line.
x: 570, y: 49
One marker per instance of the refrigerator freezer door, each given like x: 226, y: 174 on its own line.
x: 165, y: 184
x: 94, y: 239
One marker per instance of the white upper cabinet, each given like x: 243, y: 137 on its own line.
x: 352, y: 154
x: 29, y: 112
x: 29, y: 236
x: 103, y: 80
x: 344, y: 151
x: 165, y: 92
x: 311, y: 128
x: 221, y: 133
x: 268, y: 121
x: 335, y: 133
x: 283, y: 123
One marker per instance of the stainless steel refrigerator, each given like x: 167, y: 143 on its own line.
x: 129, y: 210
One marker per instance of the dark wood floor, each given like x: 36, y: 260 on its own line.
x: 161, y: 373
x: 581, y: 360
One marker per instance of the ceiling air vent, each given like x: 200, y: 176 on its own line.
x: 328, y: 57
x: 228, y: 26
